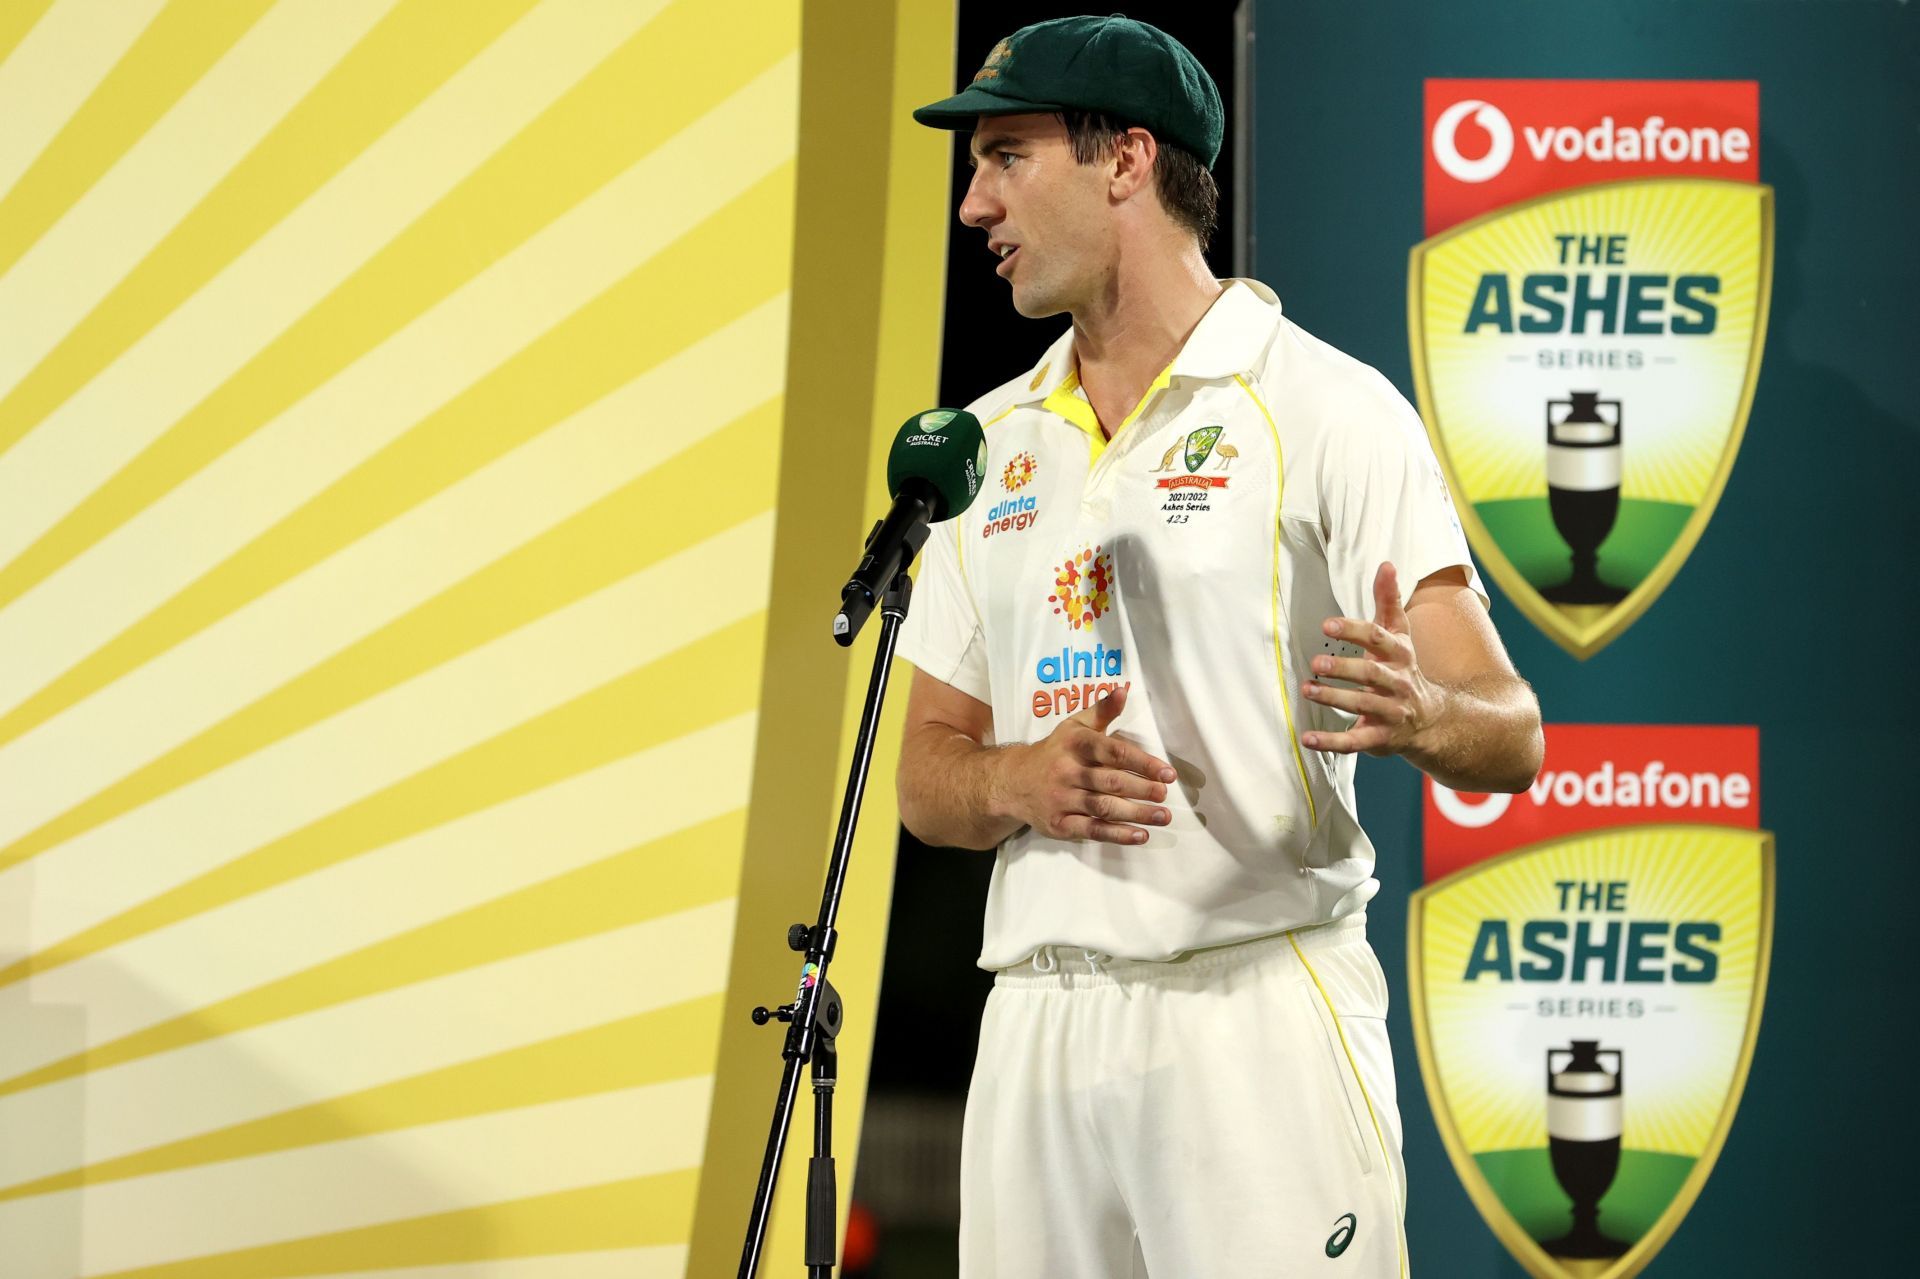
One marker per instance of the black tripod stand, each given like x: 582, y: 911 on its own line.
x: 814, y: 1017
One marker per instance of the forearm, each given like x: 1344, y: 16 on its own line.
x: 1485, y: 738
x: 953, y: 790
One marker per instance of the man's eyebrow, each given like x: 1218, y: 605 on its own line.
x: 984, y: 146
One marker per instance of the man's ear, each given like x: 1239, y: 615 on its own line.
x: 1133, y: 161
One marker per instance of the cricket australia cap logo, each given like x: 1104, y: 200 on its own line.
x: 1586, y: 355
x: 995, y: 60
x: 1585, y: 1011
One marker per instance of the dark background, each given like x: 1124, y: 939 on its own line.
x: 1796, y: 612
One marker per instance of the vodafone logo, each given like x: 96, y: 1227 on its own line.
x: 1599, y: 775
x: 1493, y: 143
x: 1446, y: 144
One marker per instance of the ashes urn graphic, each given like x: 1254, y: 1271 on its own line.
x: 1583, y: 490
x: 1584, y: 1123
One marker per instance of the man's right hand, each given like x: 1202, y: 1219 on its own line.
x: 1081, y: 782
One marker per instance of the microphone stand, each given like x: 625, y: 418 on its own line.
x: 815, y: 1016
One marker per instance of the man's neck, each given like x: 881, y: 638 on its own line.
x: 1137, y: 325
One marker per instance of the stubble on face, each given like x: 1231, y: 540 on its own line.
x: 1052, y: 206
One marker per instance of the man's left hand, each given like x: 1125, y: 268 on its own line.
x: 1394, y: 700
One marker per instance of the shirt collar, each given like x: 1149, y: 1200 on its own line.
x: 1232, y: 335
x: 1229, y: 339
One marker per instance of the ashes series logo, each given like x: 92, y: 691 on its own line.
x: 1587, y: 317
x: 1586, y: 1005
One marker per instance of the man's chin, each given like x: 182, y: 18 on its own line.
x: 1034, y: 305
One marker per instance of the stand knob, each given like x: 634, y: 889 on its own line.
x: 799, y: 937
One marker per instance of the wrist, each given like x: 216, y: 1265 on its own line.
x: 999, y: 763
x: 1423, y: 743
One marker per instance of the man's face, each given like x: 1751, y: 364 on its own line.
x: 1030, y: 194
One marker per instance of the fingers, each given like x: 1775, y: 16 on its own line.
x: 1375, y: 638
x: 1386, y: 599
x: 1385, y: 710
x: 1118, y: 752
x: 1114, y: 781
x: 1101, y: 714
x: 1371, y: 738
x: 1357, y: 670
x: 1081, y: 827
x: 1107, y: 818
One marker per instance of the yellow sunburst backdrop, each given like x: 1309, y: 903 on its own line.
x: 425, y: 431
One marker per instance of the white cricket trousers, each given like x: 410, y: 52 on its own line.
x: 1225, y: 1115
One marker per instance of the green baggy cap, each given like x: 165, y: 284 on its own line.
x: 1134, y: 72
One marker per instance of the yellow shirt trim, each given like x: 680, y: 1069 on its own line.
x: 1279, y: 656
x: 1064, y: 402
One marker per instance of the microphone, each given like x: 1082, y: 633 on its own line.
x: 933, y: 471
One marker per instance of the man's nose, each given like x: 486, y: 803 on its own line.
x: 980, y: 208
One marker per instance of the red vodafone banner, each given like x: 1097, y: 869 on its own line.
x: 1599, y: 775
x: 1493, y: 143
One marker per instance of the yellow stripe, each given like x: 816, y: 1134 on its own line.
x: 634, y: 1213
x: 1279, y: 658
x: 16, y: 19
x: 538, y: 176
x: 657, y: 878
x: 403, y: 60
x: 1064, y: 402
x: 676, y: 1042
x: 170, y: 56
x: 1378, y: 1137
x: 637, y: 526
x: 716, y: 274
x: 643, y: 708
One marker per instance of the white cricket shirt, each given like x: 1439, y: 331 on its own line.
x: 1251, y: 495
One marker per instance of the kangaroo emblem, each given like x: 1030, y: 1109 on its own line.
x: 1166, y: 463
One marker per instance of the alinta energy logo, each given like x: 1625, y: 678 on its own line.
x: 1018, y: 472
x: 1018, y: 510
x: 1588, y: 971
x: 1073, y: 677
x: 1083, y: 587
x: 1586, y: 318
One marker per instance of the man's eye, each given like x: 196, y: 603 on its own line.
x: 1006, y: 158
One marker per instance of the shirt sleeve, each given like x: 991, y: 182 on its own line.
x: 942, y: 635
x: 1384, y: 499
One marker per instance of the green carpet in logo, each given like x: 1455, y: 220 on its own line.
x: 1644, y: 532
x: 1641, y: 1191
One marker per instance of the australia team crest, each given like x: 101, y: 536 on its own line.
x: 1585, y: 1011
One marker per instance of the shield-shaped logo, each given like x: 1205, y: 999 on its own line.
x: 1585, y: 362
x: 1200, y: 444
x: 1585, y: 1011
